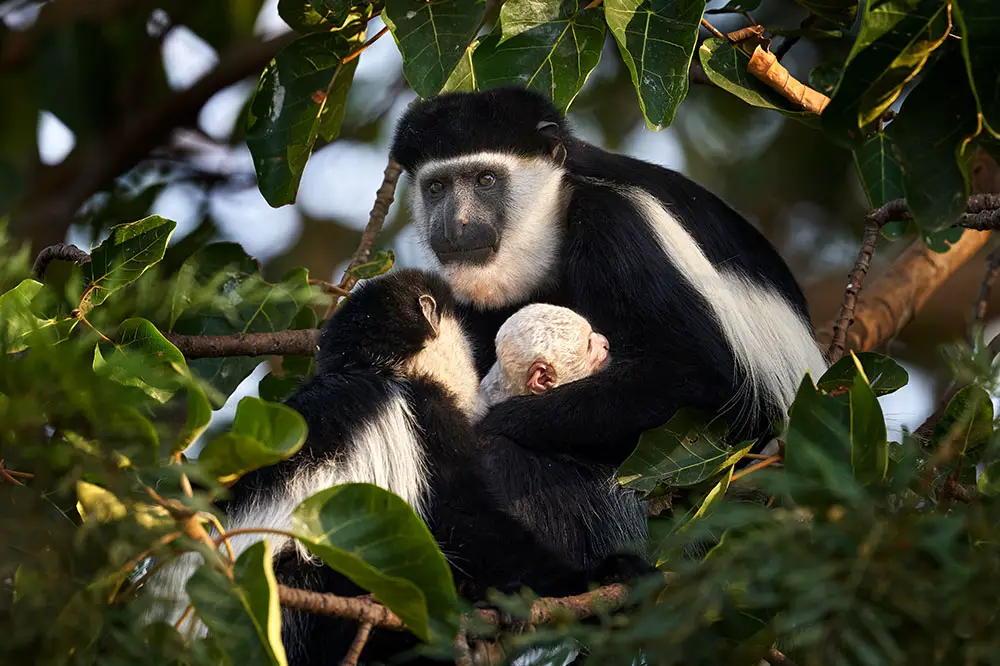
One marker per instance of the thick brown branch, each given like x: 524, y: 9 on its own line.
x: 855, y: 279
x: 281, y: 343
x: 62, y: 251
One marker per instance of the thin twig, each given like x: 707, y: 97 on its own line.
x: 384, y: 197
x: 63, y: 251
x: 354, y: 654
x: 712, y: 29
x: 351, y: 56
x: 134, y: 562
x: 776, y: 658
x: 222, y: 535
x: 767, y: 462
x: 854, y: 282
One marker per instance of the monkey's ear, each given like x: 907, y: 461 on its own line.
x: 429, y: 307
x: 541, y: 377
x: 550, y: 131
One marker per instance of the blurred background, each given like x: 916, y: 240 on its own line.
x: 115, y: 109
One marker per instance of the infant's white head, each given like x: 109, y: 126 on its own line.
x: 539, y: 347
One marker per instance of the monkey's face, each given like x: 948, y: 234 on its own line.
x: 463, y: 204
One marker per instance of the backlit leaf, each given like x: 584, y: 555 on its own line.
x: 377, y: 540
x: 968, y: 419
x: 126, y: 254
x: 243, y: 614
x: 869, y: 444
x: 893, y: 44
x: 463, y: 77
x: 554, y: 54
x: 380, y: 263
x: 979, y: 24
x: 263, y: 433
x: 23, y: 324
x: 432, y: 36
x: 156, y: 366
x: 656, y: 39
x: 883, y: 373
x: 301, y: 96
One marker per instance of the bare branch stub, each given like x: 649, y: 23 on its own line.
x: 360, y: 639
x: 280, y: 343
x: 63, y: 251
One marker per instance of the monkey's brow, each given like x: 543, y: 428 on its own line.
x: 463, y: 167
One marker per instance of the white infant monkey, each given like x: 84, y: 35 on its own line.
x: 539, y: 347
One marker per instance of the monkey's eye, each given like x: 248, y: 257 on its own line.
x: 435, y: 187
x: 486, y: 179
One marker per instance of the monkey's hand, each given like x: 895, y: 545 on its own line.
x: 506, y: 621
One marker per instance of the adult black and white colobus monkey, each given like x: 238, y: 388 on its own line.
x: 390, y: 403
x: 701, y: 309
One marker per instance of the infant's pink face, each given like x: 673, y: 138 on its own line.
x: 597, y: 351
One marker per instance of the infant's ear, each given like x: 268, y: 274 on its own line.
x: 541, y: 377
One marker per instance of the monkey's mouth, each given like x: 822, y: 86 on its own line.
x: 472, y: 255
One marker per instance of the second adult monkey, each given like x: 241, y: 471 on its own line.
x: 700, y: 309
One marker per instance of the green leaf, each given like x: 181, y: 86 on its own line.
x: 432, y: 36
x: 930, y: 137
x: 818, y: 448
x: 884, y: 374
x: 142, y: 357
x: 199, y: 414
x: 22, y: 324
x: 277, y: 388
x: 376, y: 539
x: 263, y: 433
x: 243, y: 614
x: 688, y: 449
x: 881, y: 175
x: 970, y: 415
x: 463, y: 77
x: 219, y: 291
x: 301, y: 96
x: 825, y: 77
x: 717, y: 491
x: 736, y: 7
x: 979, y: 24
x: 893, y: 44
x: 380, y: 263
x: 305, y: 16
x: 841, y: 12
x: 656, y: 39
x: 126, y: 254
x: 941, y: 241
x: 726, y: 64
x: 869, y: 444
x: 98, y: 504
x: 554, y: 50
x: 988, y: 482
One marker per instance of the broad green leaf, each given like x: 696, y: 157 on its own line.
x: 555, y: 56
x: 277, y: 388
x: 305, y: 16
x: 941, y: 241
x: 301, y: 96
x: 142, y: 357
x: 126, y: 254
x: 23, y: 325
x: 988, y: 482
x: 880, y: 173
x: 380, y: 263
x: 688, y: 449
x: 930, y: 137
x: 463, y: 77
x: 869, y: 444
x: 979, y: 24
x: 432, y: 36
x: 735, y: 7
x: 968, y: 417
x: 199, y: 414
x: 656, y: 39
x: 893, y: 44
x: 243, y: 614
x: 377, y: 540
x: 98, y: 504
x: 825, y: 77
x: 884, y: 374
x: 841, y: 12
x: 219, y: 291
x: 263, y: 433
x: 726, y: 64
x: 818, y: 448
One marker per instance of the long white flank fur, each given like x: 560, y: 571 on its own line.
x: 771, y: 342
x: 386, y: 451
x: 530, y: 242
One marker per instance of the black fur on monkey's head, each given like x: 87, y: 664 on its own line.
x: 509, y: 120
x: 385, y: 321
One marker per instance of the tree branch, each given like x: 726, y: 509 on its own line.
x: 280, y: 343
x: 61, y: 251
x: 57, y: 193
x: 855, y: 279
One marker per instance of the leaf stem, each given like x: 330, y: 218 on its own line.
x: 712, y: 29
x: 361, y: 49
x: 767, y: 462
x: 254, y: 530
